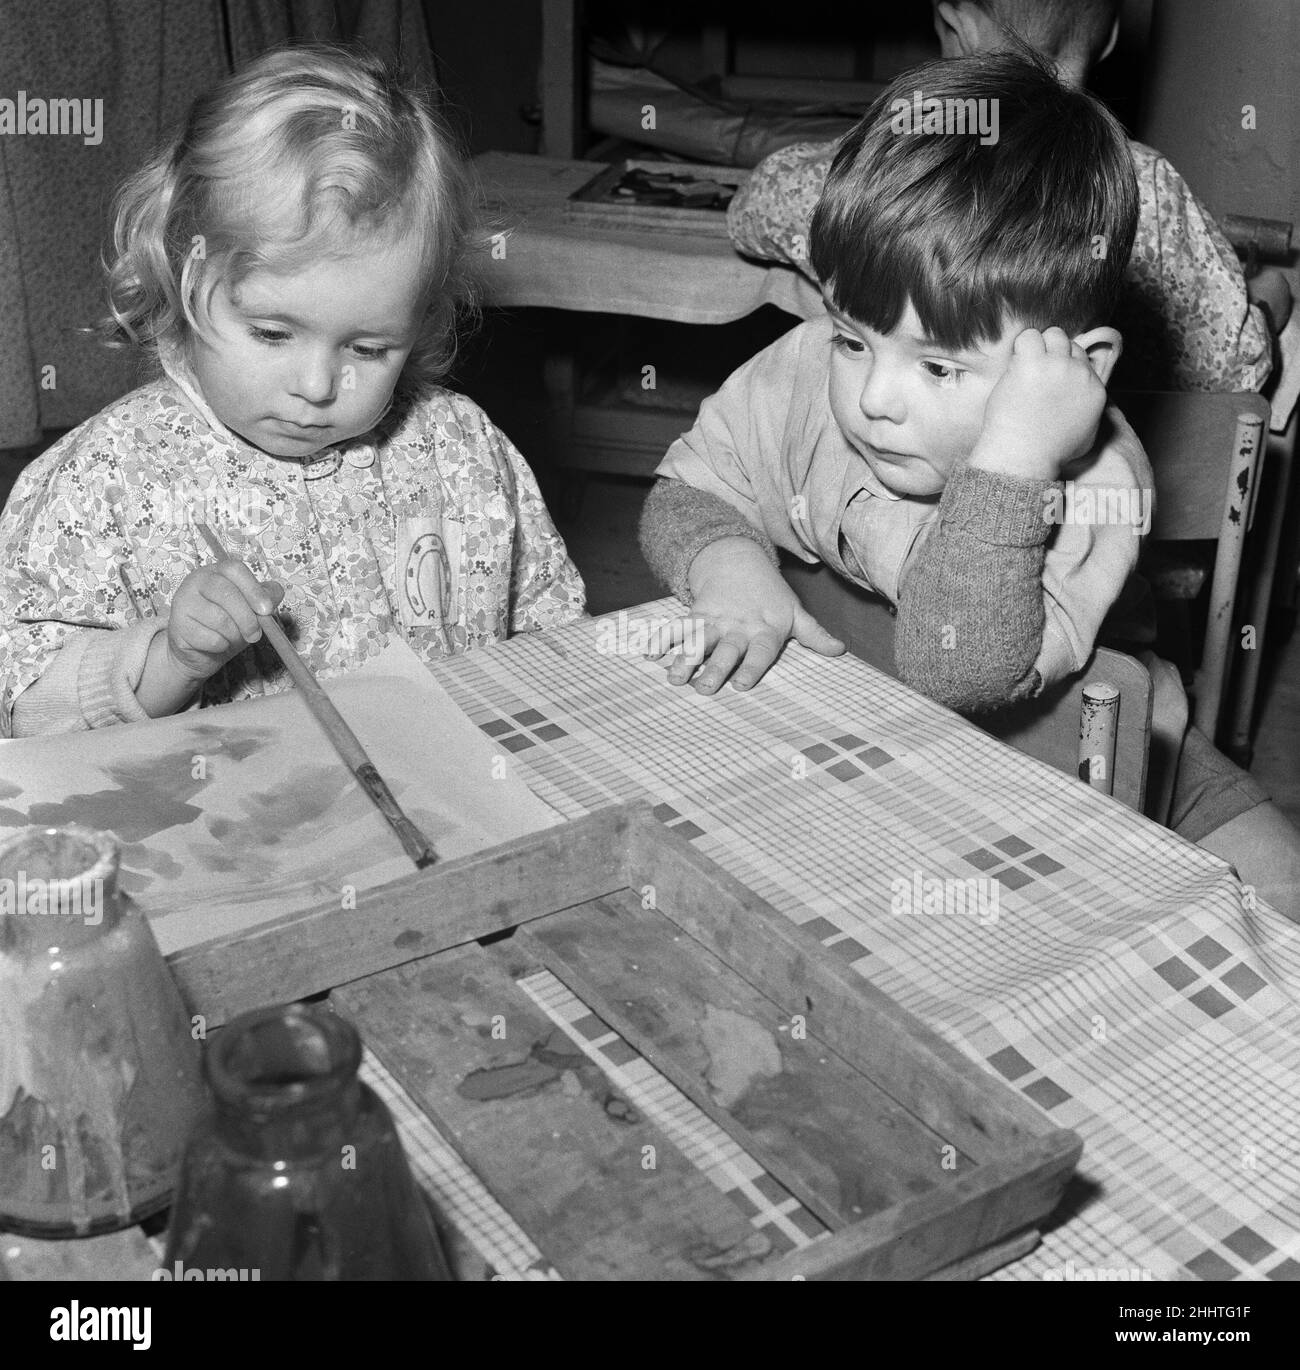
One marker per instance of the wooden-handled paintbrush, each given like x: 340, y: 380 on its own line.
x: 418, y: 847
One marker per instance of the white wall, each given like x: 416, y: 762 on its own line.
x: 1207, y: 59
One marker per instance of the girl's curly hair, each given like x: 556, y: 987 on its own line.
x: 310, y: 151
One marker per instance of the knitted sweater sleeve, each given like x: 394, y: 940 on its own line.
x: 971, y: 611
x: 679, y: 521
x: 90, y: 682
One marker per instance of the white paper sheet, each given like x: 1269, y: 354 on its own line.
x: 231, y: 816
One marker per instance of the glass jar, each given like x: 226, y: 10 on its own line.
x: 297, y: 1172
x: 99, y: 1072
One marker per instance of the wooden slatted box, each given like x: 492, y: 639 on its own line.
x: 918, y: 1163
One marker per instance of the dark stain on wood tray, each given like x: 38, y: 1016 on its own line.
x: 918, y: 1161
x: 833, y: 1136
x: 541, y: 1125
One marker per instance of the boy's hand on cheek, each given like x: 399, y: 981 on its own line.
x: 743, y: 615
x: 1044, y: 410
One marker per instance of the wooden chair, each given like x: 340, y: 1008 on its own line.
x: 1049, y: 727
x: 1205, y: 452
x: 1055, y: 728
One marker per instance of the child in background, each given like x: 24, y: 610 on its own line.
x: 297, y: 257
x: 915, y: 439
x: 1184, y: 314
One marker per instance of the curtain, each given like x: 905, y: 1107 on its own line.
x: 144, y: 60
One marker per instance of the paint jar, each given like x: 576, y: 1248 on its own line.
x: 99, y: 1073
x: 297, y: 1172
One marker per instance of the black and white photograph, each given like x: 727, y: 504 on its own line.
x: 649, y: 641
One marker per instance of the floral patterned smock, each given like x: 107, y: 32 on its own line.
x: 431, y: 526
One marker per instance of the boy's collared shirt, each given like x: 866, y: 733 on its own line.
x: 769, y: 446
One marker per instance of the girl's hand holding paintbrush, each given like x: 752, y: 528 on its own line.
x: 213, y: 618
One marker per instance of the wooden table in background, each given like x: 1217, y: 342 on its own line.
x: 546, y: 259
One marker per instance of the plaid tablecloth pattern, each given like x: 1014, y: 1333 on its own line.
x: 1118, y: 976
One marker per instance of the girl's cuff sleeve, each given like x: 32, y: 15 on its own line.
x: 90, y: 683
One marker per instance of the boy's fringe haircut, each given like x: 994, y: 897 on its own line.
x: 1034, y: 228
x: 309, y: 151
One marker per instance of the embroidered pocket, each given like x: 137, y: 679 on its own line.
x: 428, y: 572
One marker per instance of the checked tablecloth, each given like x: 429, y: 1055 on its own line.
x: 1128, y: 985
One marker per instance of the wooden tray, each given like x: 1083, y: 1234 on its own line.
x: 919, y: 1162
x: 597, y: 203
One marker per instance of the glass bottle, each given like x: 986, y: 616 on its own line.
x: 297, y: 1172
x: 99, y: 1072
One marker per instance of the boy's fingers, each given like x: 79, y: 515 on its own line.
x: 1030, y: 340
x: 724, y: 659
x: 809, y: 633
x: 680, y: 671
x: 654, y: 631
x: 1057, y: 342
x: 695, y: 648
x: 663, y: 637
x: 682, y: 667
x: 763, y: 652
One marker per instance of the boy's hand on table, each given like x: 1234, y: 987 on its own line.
x: 1044, y: 411
x: 743, y: 615
x: 213, y: 618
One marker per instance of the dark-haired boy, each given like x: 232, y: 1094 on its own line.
x: 916, y: 438
x: 1184, y: 312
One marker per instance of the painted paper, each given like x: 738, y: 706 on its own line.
x: 229, y: 817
